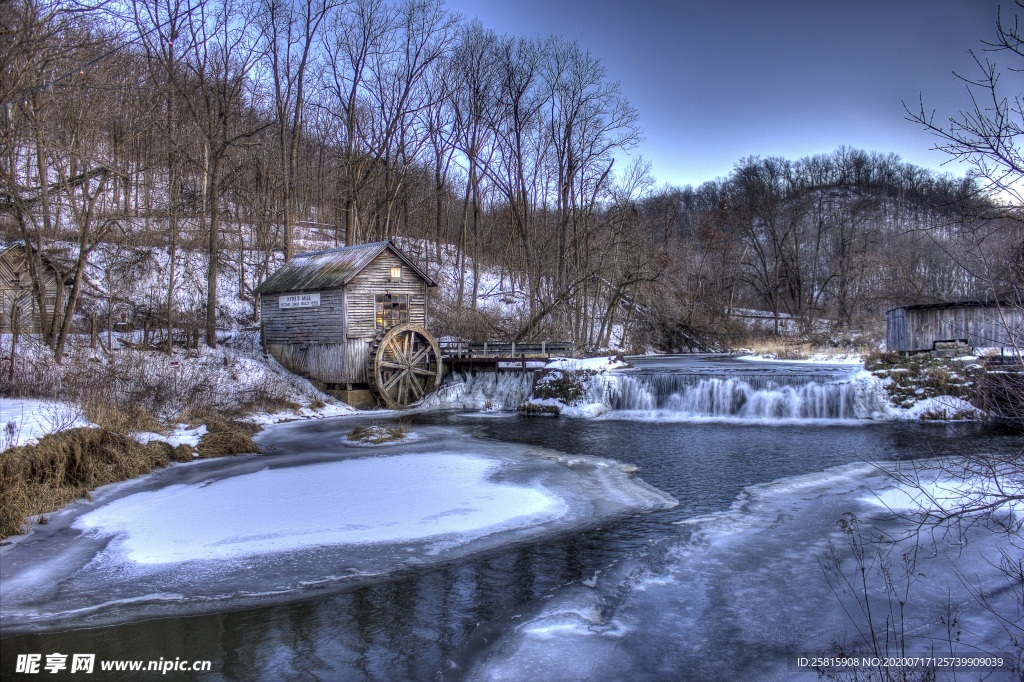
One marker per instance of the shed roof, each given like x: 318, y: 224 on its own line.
x: 49, y: 260
x: 331, y: 268
x: 1007, y: 300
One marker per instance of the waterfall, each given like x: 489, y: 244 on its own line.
x: 719, y: 392
x: 756, y: 397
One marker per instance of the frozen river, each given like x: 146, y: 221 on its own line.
x: 532, y: 555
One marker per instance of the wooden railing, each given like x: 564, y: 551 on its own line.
x: 471, y: 350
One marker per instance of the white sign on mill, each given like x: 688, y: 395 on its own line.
x: 299, y: 301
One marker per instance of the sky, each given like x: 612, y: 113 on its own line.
x: 717, y: 81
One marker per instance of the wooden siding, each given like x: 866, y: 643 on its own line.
x: 896, y: 330
x: 330, y: 363
x: 16, y: 289
x: 375, y: 279
x: 322, y: 324
x: 917, y: 329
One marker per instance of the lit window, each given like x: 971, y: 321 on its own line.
x: 396, y: 273
x: 392, y: 309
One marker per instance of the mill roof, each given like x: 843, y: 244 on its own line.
x: 331, y: 268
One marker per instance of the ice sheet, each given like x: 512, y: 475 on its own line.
x: 755, y: 580
x: 233, y: 532
x: 371, y: 500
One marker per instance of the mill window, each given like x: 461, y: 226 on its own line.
x: 392, y: 309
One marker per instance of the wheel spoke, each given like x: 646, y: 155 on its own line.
x: 396, y: 350
x: 419, y: 356
x: 391, y: 365
x: 415, y: 386
x: 392, y: 379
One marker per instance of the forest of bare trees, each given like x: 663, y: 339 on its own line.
x: 252, y: 131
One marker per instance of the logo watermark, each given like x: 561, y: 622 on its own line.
x: 86, y: 663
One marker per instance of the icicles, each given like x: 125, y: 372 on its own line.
x: 484, y: 391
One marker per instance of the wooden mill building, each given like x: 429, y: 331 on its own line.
x: 17, y: 301
x: 352, y: 320
x: 977, y: 324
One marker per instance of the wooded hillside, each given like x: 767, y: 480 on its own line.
x: 252, y: 131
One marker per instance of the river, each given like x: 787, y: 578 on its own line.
x: 734, y: 582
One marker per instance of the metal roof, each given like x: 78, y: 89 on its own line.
x: 331, y: 269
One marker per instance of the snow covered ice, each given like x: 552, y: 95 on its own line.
x: 226, y: 533
x: 369, y: 500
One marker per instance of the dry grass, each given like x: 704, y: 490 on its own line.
x: 781, y: 348
x: 65, y: 466
x: 377, y: 434
x: 226, y: 437
x: 123, y: 420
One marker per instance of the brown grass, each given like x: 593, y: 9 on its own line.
x: 226, y: 437
x: 123, y: 420
x: 65, y: 466
x: 377, y: 434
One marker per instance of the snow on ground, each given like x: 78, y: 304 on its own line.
x: 938, y: 408
x: 816, y: 359
x: 233, y: 376
x: 381, y: 499
x: 599, y: 364
x: 24, y: 420
x: 335, y: 408
x: 180, y: 434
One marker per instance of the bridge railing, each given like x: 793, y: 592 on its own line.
x: 473, y: 349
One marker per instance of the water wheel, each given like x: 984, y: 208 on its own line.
x: 404, y: 365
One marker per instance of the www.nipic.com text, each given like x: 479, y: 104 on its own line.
x: 86, y: 663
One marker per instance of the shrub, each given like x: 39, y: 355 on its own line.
x: 566, y: 386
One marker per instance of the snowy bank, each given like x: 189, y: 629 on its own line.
x: 24, y: 420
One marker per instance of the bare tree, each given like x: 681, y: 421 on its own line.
x: 986, y: 134
x: 290, y: 32
x: 222, y: 52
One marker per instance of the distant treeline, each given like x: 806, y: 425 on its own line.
x: 251, y: 129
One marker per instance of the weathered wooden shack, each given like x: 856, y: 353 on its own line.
x: 978, y: 324
x: 18, y: 303
x: 352, y: 320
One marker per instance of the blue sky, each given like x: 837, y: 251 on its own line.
x: 717, y: 81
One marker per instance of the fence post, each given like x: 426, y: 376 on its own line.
x: 513, y: 349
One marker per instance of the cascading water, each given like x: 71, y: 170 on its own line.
x: 760, y: 396
x: 706, y: 388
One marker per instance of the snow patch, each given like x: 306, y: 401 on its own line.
x: 373, y: 500
x: 24, y: 421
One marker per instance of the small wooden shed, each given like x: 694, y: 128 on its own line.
x: 978, y: 324
x: 352, y: 320
x: 16, y: 289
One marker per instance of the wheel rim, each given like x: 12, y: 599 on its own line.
x: 405, y: 365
